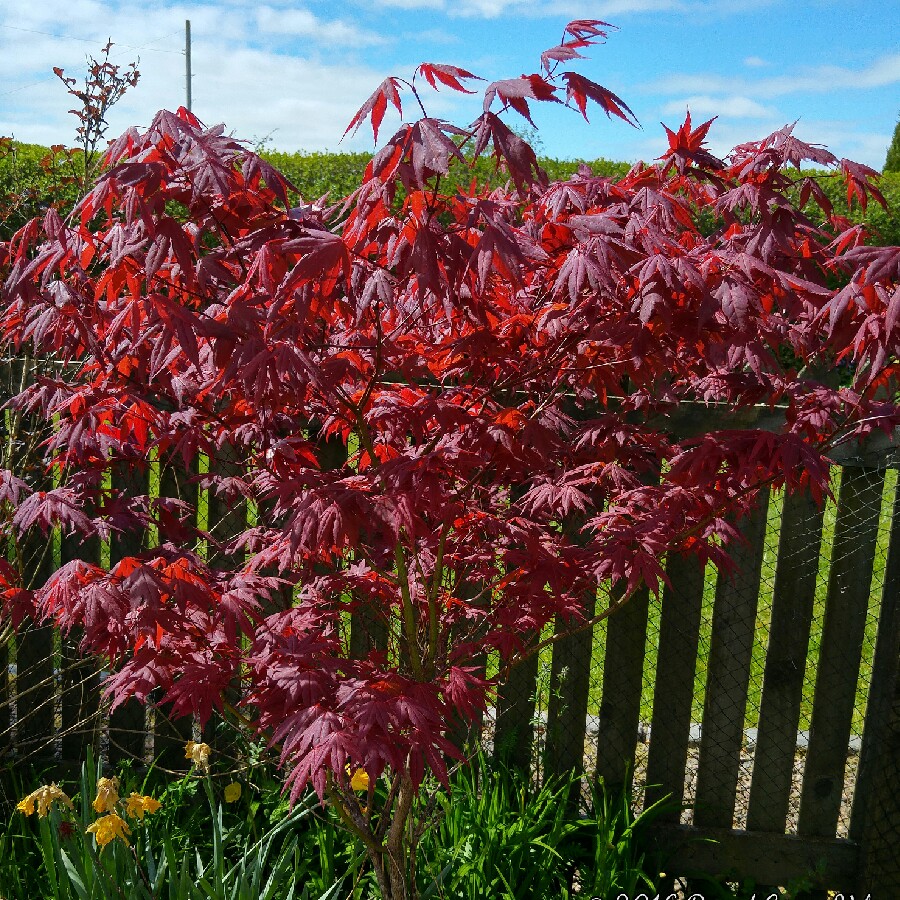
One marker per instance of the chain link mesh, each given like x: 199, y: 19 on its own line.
x: 737, y: 679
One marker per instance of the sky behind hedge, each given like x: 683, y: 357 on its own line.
x: 295, y: 72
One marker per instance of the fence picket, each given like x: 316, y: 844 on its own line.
x: 674, y: 687
x: 368, y: 631
x: 461, y: 734
x: 620, y: 704
x: 128, y: 723
x: 514, y: 728
x: 782, y: 692
x: 170, y: 735
x: 79, y: 700
x: 514, y: 731
x: 225, y: 519
x: 6, y: 737
x: 623, y: 673
x: 875, y: 815
x: 728, y: 675
x: 849, y: 581
x: 570, y: 682
x: 7, y: 382
x: 80, y: 676
x: 35, y: 659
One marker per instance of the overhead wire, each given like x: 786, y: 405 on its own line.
x: 66, y: 37
x: 63, y: 37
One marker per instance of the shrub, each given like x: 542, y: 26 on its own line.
x: 441, y: 408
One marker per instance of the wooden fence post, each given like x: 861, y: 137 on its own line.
x: 35, y: 679
x: 6, y: 737
x: 516, y: 703
x: 793, y: 597
x: 840, y: 653
x: 880, y: 839
x: 620, y: 704
x: 570, y: 676
x: 128, y: 723
x: 875, y: 817
x: 514, y: 724
x: 679, y: 636
x: 849, y: 581
x: 80, y: 677
x: 728, y: 675
x: 7, y: 381
x: 170, y: 735
x: 623, y: 682
x: 226, y: 518
x: 570, y: 683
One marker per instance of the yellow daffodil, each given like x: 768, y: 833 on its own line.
x: 108, y: 828
x: 232, y: 792
x: 45, y: 796
x: 136, y: 805
x: 107, y: 795
x: 359, y: 780
x: 198, y: 754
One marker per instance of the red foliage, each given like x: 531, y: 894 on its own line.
x: 494, y: 362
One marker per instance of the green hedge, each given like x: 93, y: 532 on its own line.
x: 337, y: 174
x: 31, y: 178
x: 885, y: 224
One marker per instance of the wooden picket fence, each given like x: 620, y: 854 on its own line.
x: 50, y: 701
x: 703, y: 838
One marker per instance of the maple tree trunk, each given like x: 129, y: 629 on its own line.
x: 402, y: 882
x: 380, y: 875
x: 392, y: 855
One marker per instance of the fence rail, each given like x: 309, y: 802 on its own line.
x: 758, y: 701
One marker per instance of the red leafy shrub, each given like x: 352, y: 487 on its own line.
x: 496, y: 364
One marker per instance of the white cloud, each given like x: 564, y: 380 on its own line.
x: 494, y: 9
x: 845, y: 138
x: 412, y: 4
x: 303, y: 103
x: 305, y: 97
x: 756, y: 62
x: 735, y: 107
x: 302, y: 23
x: 882, y: 72
x: 587, y: 9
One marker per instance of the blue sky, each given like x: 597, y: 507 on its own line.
x: 295, y: 72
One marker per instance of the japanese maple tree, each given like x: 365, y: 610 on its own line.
x: 493, y: 366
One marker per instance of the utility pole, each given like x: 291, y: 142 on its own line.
x: 187, y: 60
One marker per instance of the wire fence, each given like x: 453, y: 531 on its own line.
x: 763, y: 703
x: 760, y: 702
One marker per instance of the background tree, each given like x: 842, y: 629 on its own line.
x: 892, y: 161
x: 493, y: 365
x: 105, y: 83
x: 34, y: 178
